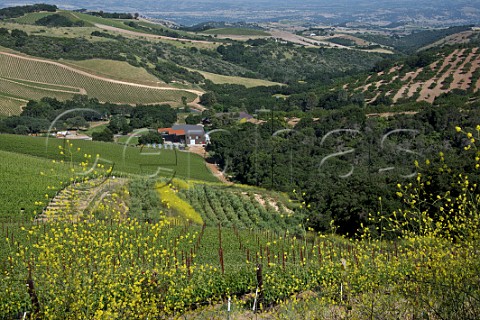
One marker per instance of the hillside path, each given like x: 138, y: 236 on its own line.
x: 200, y: 150
x: 72, y: 202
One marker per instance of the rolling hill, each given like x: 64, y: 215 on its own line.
x: 27, y: 78
x: 127, y: 160
x: 109, y: 230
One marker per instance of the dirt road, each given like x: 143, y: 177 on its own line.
x: 200, y: 150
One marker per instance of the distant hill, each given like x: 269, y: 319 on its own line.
x: 415, y: 40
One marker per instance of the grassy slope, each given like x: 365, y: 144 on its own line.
x: 32, y: 18
x: 182, y: 164
x: 91, y: 130
x: 118, y: 23
x: 237, y: 32
x: 159, y: 26
x: 247, y: 82
x: 90, y: 20
x: 63, y: 32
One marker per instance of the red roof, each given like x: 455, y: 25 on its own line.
x: 171, y: 131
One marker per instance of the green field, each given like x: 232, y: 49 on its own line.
x: 24, y: 158
x: 16, y: 68
x: 247, y: 82
x: 130, y: 141
x: 31, y: 18
x: 91, y: 130
x: 136, y: 161
x: 237, y: 32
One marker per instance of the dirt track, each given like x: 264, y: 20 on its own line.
x: 212, y: 167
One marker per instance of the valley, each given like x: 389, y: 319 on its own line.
x: 272, y: 161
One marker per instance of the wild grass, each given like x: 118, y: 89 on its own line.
x: 237, y: 32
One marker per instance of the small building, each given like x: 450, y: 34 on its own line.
x: 184, y: 133
x: 172, y: 136
x: 63, y: 134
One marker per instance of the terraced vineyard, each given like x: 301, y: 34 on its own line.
x: 459, y: 69
x: 31, y: 78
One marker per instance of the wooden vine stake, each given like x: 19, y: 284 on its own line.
x: 259, y: 292
x: 220, y: 249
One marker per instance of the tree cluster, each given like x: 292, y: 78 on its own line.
x: 342, y: 163
x: 38, y: 116
x: 113, y: 15
x: 15, y: 12
x: 58, y: 20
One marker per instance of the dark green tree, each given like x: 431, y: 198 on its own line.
x: 105, y: 135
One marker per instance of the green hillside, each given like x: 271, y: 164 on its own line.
x: 247, y: 82
x: 32, y: 18
x: 127, y: 160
